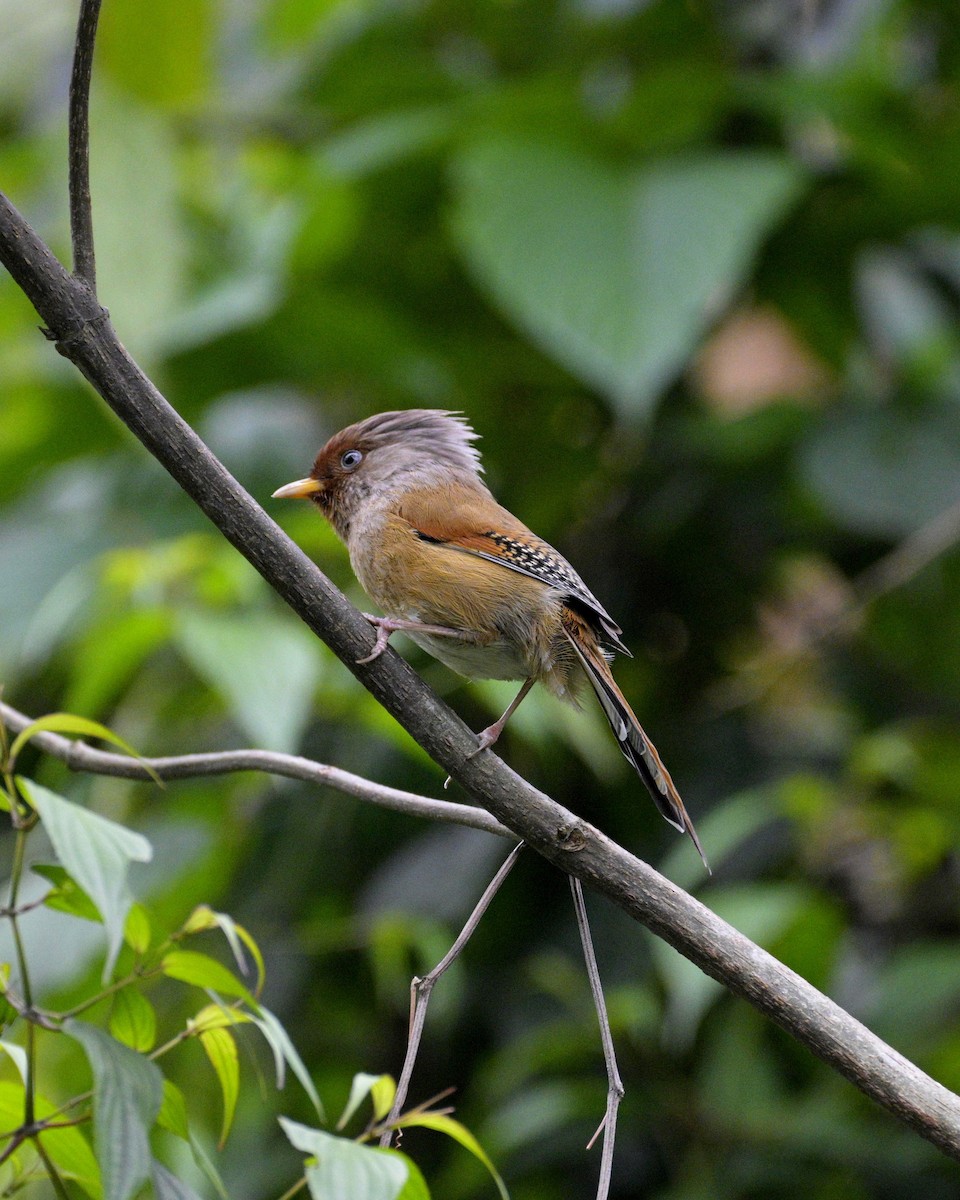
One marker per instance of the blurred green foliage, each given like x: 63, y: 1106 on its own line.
x: 693, y: 272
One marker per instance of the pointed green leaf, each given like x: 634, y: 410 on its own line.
x: 189, y: 966
x: 219, y: 1016
x: 127, y: 1093
x: 66, y: 895
x: 345, y: 1168
x: 67, y: 723
x: 136, y: 931
x: 284, y: 1051
x: 173, y: 1111
x: 221, y: 1049
x: 615, y: 273
x: 380, y: 1088
x: 96, y: 852
x: 132, y: 1019
x: 459, y: 1133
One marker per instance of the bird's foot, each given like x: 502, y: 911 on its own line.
x: 488, y: 737
x: 385, y: 626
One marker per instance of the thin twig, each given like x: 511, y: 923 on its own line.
x: 421, y: 988
x: 81, y: 211
x: 80, y: 757
x: 52, y: 1173
x: 614, y: 1083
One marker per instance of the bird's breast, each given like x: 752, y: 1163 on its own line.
x: 512, y: 621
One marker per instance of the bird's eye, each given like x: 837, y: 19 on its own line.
x: 350, y: 460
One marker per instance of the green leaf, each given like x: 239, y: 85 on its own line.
x: 136, y: 167
x: 111, y: 653
x: 380, y: 1088
x: 132, y: 1019
x: 284, y: 1051
x: 136, y: 931
x: 218, y: 1016
x: 67, y: 1147
x: 173, y: 1111
x: 127, y: 1093
x: 444, y: 1124
x: 96, y: 852
x: 189, y: 966
x: 221, y: 1049
x: 66, y: 894
x: 67, y: 723
x: 615, y: 273
x: 266, y: 669
x: 345, y: 1168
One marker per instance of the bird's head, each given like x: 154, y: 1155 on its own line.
x: 383, y: 454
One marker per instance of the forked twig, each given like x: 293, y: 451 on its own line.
x: 614, y: 1083
x: 81, y: 210
x: 421, y: 988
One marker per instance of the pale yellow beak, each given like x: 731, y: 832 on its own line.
x: 300, y: 489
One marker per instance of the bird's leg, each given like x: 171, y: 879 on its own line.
x: 387, y: 625
x: 489, y: 735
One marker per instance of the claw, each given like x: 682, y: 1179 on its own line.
x: 382, y: 642
x: 488, y: 737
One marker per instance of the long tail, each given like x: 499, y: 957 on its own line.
x: 636, y: 747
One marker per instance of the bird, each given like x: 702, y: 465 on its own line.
x: 466, y: 580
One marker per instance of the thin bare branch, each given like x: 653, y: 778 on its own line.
x: 80, y: 757
x: 614, y: 1082
x: 81, y: 211
x: 420, y: 990
x: 85, y: 335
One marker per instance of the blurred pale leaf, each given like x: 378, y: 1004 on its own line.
x: 166, y: 1185
x: 265, y: 669
x: 141, y: 247
x: 127, y: 1093
x: 615, y: 273
x: 344, y: 1168
x: 883, y: 472
x: 915, y: 991
x: 286, y: 1054
x: 377, y: 143
x: 759, y: 911
x: 153, y: 53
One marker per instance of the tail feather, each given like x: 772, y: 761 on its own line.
x: 634, y: 744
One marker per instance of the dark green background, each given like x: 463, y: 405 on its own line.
x: 692, y: 270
